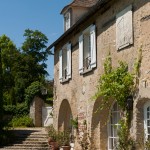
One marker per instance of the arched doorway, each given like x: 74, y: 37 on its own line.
x: 99, y: 126
x: 65, y: 114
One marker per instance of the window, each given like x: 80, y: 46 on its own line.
x: 67, y: 21
x: 124, y: 31
x: 147, y: 120
x: 113, y: 127
x: 87, y: 50
x: 65, y: 63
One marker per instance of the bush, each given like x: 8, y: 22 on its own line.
x: 19, y: 110
x: 22, y: 121
x: 33, y: 90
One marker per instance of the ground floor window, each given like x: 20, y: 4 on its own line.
x: 147, y: 120
x: 113, y: 127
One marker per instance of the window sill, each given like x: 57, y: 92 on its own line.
x: 64, y: 80
x: 87, y: 71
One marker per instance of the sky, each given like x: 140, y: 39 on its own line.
x: 42, y: 15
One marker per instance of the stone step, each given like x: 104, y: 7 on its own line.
x: 25, y: 148
x: 31, y: 145
x: 29, y: 139
x: 31, y: 142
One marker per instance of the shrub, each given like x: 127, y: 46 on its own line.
x: 33, y: 90
x: 18, y: 110
x: 24, y: 121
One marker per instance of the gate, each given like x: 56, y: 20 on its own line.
x: 47, y: 118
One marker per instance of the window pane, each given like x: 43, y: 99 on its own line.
x: 148, y: 130
x: 148, y: 122
x: 114, y: 121
x: 148, y: 115
x: 148, y: 137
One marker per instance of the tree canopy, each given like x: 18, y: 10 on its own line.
x: 21, y: 67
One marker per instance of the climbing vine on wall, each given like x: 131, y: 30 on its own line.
x: 115, y: 83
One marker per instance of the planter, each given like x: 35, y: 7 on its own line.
x: 53, y: 145
x: 50, y: 140
x: 65, y: 147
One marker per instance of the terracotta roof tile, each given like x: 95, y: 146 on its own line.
x: 84, y: 3
x: 81, y: 3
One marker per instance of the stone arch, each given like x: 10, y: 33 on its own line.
x: 139, y: 118
x: 65, y: 114
x: 99, y: 126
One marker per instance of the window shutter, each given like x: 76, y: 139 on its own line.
x: 81, y: 54
x: 124, y: 29
x: 69, y: 60
x: 60, y: 66
x: 128, y: 25
x: 93, y: 46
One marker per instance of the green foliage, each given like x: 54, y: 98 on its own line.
x: 74, y: 123
x: 22, y: 121
x: 147, y: 145
x: 33, y: 90
x: 125, y: 142
x: 21, y: 67
x: 35, y: 44
x: 63, y: 138
x: 115, y: 83
x: 16, y: 110
x: 52, y: 133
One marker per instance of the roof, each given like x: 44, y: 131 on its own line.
x: 80, y: 3
x: 84, y: 3
x: 93, y: 10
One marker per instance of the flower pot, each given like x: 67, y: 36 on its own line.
x: 53, y: 145
x: 65, y: 147
x: 50, y: 139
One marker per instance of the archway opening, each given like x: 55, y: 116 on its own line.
x: 65, y: 115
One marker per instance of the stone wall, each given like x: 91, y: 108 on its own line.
x: 79, y: 90
x: 36, y: 111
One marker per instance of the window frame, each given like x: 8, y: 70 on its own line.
x: 146, y: 134
x: 62, y: 76
x: 112, y: 126
x: 67, y: 25
x: 88, y: 62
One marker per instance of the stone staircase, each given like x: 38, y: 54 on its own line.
x: 29, y: 139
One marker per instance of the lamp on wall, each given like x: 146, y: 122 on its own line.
x: 130, y: 102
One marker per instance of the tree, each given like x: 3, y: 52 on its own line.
x: 9, y: 54
x: 35, y: 45
x: 21, y: 67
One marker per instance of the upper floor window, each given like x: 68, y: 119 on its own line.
x: 124, y: 29
x: 67, y: 21
x: 65, y: 63
x: 87, y: 49
x: 113, y: 127
x: 147, y: 121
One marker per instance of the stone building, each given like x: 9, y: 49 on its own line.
x: 93, y: 29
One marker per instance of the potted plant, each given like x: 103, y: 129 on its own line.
x: 52, y: 140
x: 64, y: 140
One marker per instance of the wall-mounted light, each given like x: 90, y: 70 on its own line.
x: 130, y: 102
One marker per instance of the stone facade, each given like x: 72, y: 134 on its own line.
x: 73, y: 97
